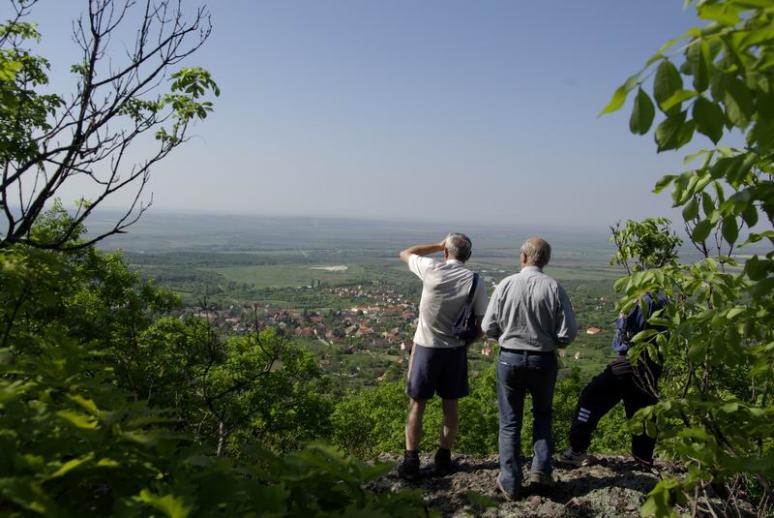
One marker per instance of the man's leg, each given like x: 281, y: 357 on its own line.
x: 409, y: 468
x: 450, y: 423
x: 414, y: 424
x: 598, y: 397
x: 442, y: 463
x: 636, y: 396
x: 422, y: 376
x: 510, y: 398
x: 541, y: 379
x: 452, y: 385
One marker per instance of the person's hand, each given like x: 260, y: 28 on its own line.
x: 442, y: 245
x: 562, y: 353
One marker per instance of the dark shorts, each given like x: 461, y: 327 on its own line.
x: 436, y: 370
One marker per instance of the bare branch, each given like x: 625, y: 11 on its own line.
x: 90, y: 135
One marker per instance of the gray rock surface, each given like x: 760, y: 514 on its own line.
x: 606, y: 486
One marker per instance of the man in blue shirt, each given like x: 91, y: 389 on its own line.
x: 531, y: 316
x: 634, y: 384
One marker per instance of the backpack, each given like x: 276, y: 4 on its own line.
x: 465, y: 326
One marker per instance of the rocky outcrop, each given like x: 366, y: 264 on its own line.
x: 606, y: 486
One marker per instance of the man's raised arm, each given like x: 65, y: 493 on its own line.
x: 421, y: 250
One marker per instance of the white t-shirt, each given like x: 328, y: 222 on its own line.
x: 445, y: 286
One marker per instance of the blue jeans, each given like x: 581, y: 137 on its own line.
x: 517, y: 373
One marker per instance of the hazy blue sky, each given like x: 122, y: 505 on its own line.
x: 428, y: 110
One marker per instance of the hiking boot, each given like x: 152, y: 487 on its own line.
x: 508, y: 495
x: 541, y: 480
x: 572, y: 458
x: 443, y: 463
x: 409, y: 468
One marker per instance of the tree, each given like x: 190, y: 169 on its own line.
x: 49, y: 140
x: 95, y: 387
x: 716, y: 414
x: 641, y: 245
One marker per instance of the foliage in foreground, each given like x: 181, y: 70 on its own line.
x: 369, y: 422
x: 716, y: 414
x: 107, y: 408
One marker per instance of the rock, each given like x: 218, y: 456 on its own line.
x: 609, y: 486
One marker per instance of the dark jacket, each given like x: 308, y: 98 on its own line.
x: 626, y: 327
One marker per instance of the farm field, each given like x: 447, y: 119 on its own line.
x: 308, y: 278
x: 292, y: 275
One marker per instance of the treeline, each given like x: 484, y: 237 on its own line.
x: 109, y: 405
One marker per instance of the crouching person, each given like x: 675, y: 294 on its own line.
x: 439, y: 362
x: 635, y: 385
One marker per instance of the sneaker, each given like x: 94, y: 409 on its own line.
x: 573, y: 458
x: 536, y: 478
x: 409, y: 468
x: 443, y: 463
x: 508, y: 496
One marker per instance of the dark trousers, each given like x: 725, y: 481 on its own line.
x: 619, y: 381
x: 519, y: 372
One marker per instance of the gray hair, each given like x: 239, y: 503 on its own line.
x: 537, y: 251
x: 459, y: 246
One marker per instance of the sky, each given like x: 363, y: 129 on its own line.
x: 482, y: 111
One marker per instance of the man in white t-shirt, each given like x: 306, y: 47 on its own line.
x: 439, y: 361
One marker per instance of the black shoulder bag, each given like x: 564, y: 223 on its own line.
x: 465, y: 326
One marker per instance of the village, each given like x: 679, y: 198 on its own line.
x: 361, y: 316
x: 367, y: 317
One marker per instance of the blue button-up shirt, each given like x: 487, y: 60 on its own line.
x: 530, y: 311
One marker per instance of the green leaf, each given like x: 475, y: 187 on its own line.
x: 750, y: 215
x: 730, y: 408
x: 725, y: 166
x: 762, y: 135
x: 663, y: 182
x: 756, y: 269
x: 71, y: 465
x: 691, y: 210
x: 677, y: 98
x: 667, y: 82
x: 170, y: 505
x: 9, y: 69
x: 753, y: 3
x: 709, y: 118
x: 707, y: 205
x: 757, y: 36
x: 643, y: 113
x: 653, y: 504
x: 620, y: 94
x: 78, y: 420
x: 701, y: 65
x: 730, y: 230
x: 87, y: 404
x: 738, y: 101
x: 701, y: 231
x: 108, y: 463
x: 674, y: 132
x: 696, y: 351
x: 721, y: 13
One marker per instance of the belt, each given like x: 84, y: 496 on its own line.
x: 525, y: 352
